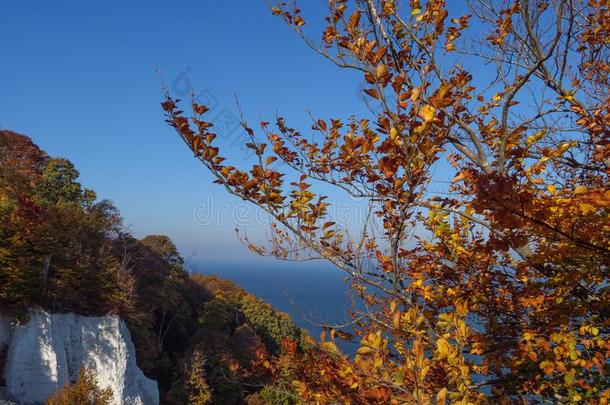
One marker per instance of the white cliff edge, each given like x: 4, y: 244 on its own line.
x: 48, y: 351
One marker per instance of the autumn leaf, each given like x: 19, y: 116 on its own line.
x: 441, y: 396
x: 373, y: 93
x: 443, y: 348
x: 354, y: 19
x: 426, y: 112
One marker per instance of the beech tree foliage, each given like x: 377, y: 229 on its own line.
x: 494, y: 289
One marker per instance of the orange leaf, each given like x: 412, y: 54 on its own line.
x: 373, y: 93
x: 354, y: 19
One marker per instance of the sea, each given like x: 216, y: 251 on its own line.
x: 313, y: 293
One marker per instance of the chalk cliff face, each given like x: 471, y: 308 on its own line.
x: 48, y: 351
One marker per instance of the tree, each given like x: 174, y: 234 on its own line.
x: 504, y: 294
x: 20, y: 155
x: 54, y: 237
x: 58, y: 185
x: 84, y: 391
x: 164, y: 246
x: 21, y: 165
x: 199, y: 392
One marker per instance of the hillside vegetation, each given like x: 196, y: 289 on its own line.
x: 64, y: 250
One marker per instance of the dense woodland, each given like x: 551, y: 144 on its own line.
x: 63, y: 250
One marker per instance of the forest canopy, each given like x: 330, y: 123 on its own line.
x: 63, y: 250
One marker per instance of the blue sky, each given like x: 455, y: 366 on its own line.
x: 81, y: 79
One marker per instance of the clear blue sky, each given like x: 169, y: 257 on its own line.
x: 79, y: 78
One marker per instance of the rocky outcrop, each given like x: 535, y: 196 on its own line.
x: 48, y: 351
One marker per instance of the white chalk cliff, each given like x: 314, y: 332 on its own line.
x: 48, y: 351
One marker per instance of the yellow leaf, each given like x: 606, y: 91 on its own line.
x: 300, y: 386
x: 395, y: 136
x: 415, y: 11
x: 465, y: 370
x: 396, y: 320
x: 364, y: 350
x: 547, y: 366
x: 399, y: 377
x: 420, y: 128
x: 569, y: 376
x: 440, y: 397
x: 535, y: 138
x: 586, y: 208
x: 461, y: 308
x: 329, y: 347
x: 415, y: 93
x: 427, y: 112
x: 443, y: 347
x: 565, y: 146
x: 580, y: 190
x: 551, y: 188
x: 393, y: 133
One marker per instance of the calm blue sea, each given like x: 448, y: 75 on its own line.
x: 312, y: 293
